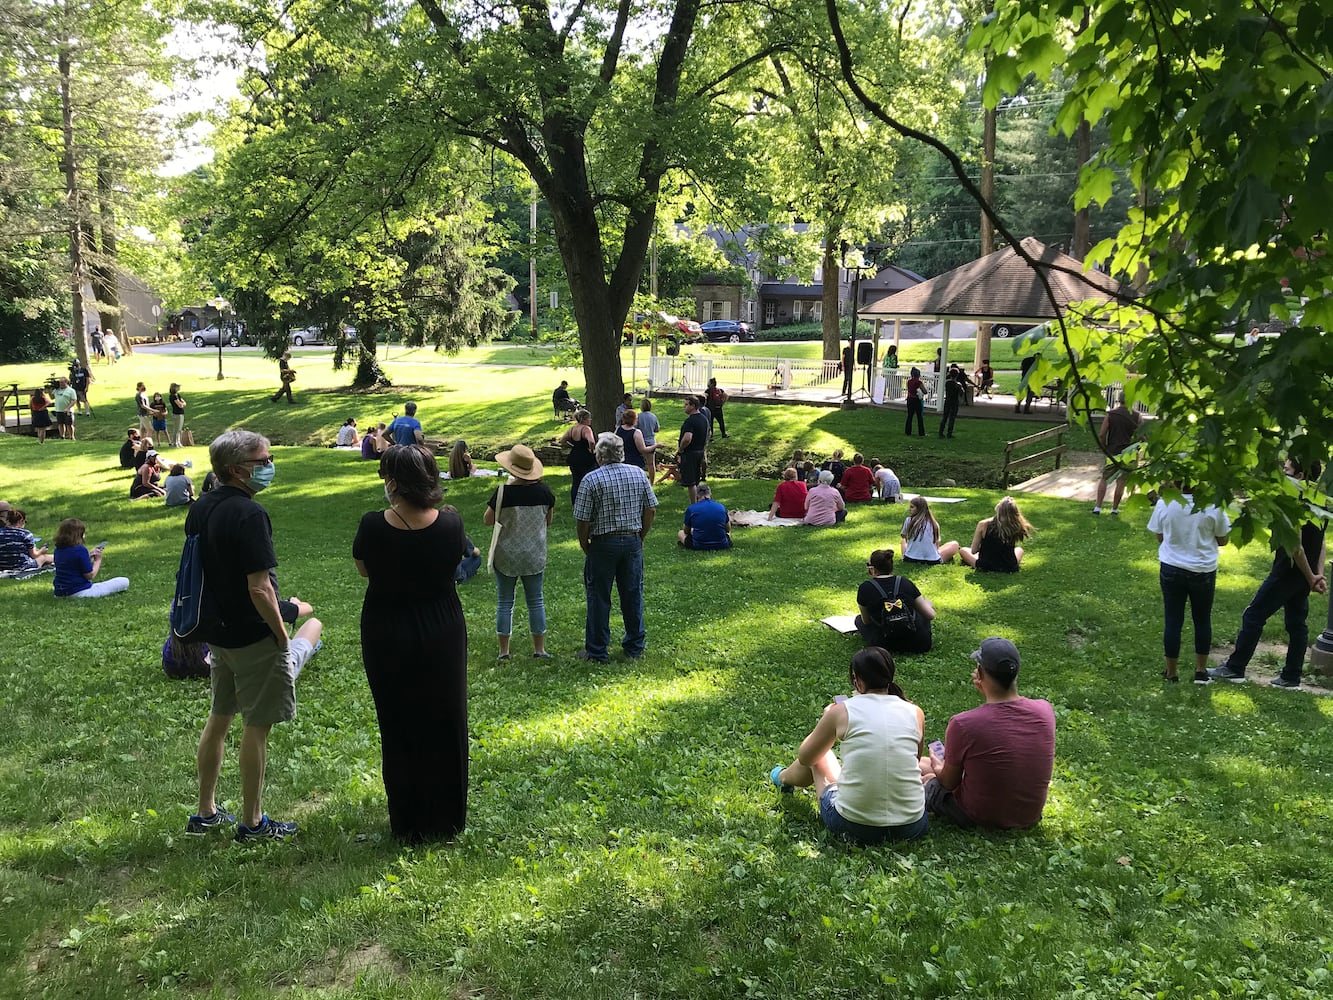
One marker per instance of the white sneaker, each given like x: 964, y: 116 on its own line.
x: 1096, y: 510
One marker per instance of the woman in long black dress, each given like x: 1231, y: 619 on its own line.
x: 414, y: 646
x: 580, y: 439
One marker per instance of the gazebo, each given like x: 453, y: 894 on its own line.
x: 1001, y: 287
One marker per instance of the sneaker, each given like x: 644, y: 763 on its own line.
x: 268, y: 829
x: 1115, y: 511
x: 1170, y: 678
x: 775, y: 776
x: 1225, y: 673
x: 1201, y: 677
x: 1096, y: 510
x: 200, y: 825
x: 1282, y: 682
x: 583, y: 654
x: 543, y: 655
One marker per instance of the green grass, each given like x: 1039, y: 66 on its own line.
x: 622, y: 839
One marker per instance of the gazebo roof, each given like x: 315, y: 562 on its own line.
x: 999, y: 286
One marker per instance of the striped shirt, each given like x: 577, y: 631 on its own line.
x: 612, y: 498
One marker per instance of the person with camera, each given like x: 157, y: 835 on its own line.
x: 893, y: 612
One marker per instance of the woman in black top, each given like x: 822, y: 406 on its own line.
x: 414, y: 646
x: 580, y: 440
x: 883, y: 599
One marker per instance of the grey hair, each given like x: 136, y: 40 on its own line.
x: 609, y: 448
x: 580, y: 416
x: 703, y: 490
x: 232, y: 448
x: 826, y: 477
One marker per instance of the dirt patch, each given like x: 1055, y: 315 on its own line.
x: 1267, y: 664
x: 343, y: 970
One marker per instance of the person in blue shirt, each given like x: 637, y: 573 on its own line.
x: 407, y: 429
x: 707, y: 525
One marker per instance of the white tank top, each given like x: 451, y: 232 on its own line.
x: 881, y: 776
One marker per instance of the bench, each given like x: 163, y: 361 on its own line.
x: 1011, y: 463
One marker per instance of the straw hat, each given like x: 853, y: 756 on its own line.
x: 521, y: 463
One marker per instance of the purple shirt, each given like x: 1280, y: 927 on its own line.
x: 822, y: 504
x: 1006, y: 750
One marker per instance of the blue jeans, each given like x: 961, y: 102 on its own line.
x: 1178, y: 586
x: 504, y: 604
x: 1286, y: 591
x: 869, y: 836
x: 614, y: 559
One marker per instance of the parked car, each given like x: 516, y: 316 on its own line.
x: 727, y: 331
x: 314, y: 335
x: 1006, y: 330
x: 233, y: 336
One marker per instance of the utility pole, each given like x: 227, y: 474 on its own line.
x: 532, y: 263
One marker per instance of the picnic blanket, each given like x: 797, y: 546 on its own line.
x: 759, y: 519
x: 26, y: 574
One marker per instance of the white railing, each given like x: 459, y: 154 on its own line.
x: 743, y: 373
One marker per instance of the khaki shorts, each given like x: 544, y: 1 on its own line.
x: 258, y: 681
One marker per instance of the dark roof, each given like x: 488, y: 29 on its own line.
x: 780, y: 289
x: 1001, y: 285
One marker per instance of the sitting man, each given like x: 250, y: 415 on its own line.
x: 857, y: 481
x: 564, y: 404
x: 985, y: 381
x: 995, y: 766
x: 130, y: 449
x: 706, y: 523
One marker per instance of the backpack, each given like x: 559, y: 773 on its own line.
x: 897, y: 620
x: 194, y: 614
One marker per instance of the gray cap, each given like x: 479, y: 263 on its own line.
x: 998, y: 657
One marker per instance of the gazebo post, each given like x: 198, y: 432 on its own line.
x: 944, y: 366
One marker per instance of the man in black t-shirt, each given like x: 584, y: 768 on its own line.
x: 953, y: 398
x: 692, y: 447
x: 1118, y: 429
x: 255, y: 665
x: 1294, y: 576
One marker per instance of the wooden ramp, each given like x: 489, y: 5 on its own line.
x: 1077, y: 480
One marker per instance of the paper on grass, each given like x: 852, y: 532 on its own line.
x: 842, y: 624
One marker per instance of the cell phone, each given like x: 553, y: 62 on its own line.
x: 838, y: 699
x: 100, y: 546
x: 937, y: 749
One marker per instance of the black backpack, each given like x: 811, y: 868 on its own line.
x: 194, y: 613
x: 898, y: 619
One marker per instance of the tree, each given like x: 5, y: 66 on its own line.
x: 1218, y: 116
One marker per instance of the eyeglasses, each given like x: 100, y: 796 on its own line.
x: 266, y: 460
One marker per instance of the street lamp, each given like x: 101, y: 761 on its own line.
x: 221, y: 305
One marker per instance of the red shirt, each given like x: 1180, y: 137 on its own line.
x: 790, y: 498
x: 1007, y: 751
x: 856, y: 483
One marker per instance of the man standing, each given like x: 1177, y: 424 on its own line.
x: 1288, y: 586
x: 145, y: 410
x: 613, y: 512
x: 692, y: 448
x: 707, y: 525
x: 848, y: 369
x: 62, y: 405
x: 255, y: 666
x: 995, y: 768
x: 1118, y: 429
x: 95, y: 338
x: 286, y: 376
x: 1024, y: 386
x: 80, y: 378
x: 715, y: 399
x: 953, y: 398
x: 407, y: 429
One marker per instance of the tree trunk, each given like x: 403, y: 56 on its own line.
x: 832, y: 328
x: 1082, y: 241
x: 104, y: 264
x: 78, y: 329
x: 369, y: 374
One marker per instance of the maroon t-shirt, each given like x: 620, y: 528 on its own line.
x: 1006, y: 750
x: 790, y: 497
x: 856, y: 483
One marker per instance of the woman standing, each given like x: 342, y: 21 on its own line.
x: 995, y: 547
x: 636, y: 448
x: 874, y: 794
x: 177, y: 402
x: 414, y: 646
x: 1189, y: 540
x: 916, y: 403
x: 580, y: 440
x: 40, y: 408
x: 286, y: 376
x: 648, y: 427
x: 525, y: 508
x: 920, y: 537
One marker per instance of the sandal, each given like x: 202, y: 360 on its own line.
x: 543, y: 655
x: 502, y: 657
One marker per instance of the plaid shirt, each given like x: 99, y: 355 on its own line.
x: 613, y: 498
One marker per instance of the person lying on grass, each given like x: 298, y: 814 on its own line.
x: 875, y: 793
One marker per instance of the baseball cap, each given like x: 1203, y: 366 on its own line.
x: 998, y: 657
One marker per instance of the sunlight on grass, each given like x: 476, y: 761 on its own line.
x: 1232, y: 699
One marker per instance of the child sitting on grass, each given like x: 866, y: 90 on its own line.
x: 76, y: 568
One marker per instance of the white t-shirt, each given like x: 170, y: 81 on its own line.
x: 888, y: 483
x: 1189, y: 537
x: 921, y: 548
x: 346, y: 435
x: 880, y: 783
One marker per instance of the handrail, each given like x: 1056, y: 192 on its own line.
x: 1011, y: 463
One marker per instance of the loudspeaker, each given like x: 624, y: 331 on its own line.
x: 865, y: 353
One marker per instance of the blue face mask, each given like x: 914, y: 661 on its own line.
x: 261, y: 477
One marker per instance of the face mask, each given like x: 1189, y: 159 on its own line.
x: 261, y: 477
x: 388, y: 495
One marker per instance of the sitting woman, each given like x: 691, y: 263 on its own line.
x: 178, y: 487
x: 995, y: 547
x: 347, y: 435
x: 75, y: 568
x: 920, y: 537
x: 141, y: 455
x: 461, y: 465
x: 789, y: 497
x: 894, y: 614
x: 18, y: 546
x: 823, y: 504
x: 875, y: 794
x: 146, y: 479
x: 374, y: 444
